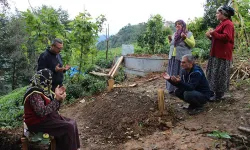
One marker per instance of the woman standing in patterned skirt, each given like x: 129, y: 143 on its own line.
x: 218, y: 68
x: 181, y: 43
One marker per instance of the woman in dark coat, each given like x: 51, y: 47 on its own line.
x: 218, y: 68
x: 41, y: 112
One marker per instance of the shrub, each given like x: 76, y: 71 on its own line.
x: 11, y: 108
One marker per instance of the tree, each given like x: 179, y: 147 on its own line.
x: 154, y: 38
x: 84, y: 34
x: 210, y: 10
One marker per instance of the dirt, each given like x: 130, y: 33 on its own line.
x: 128, y: 118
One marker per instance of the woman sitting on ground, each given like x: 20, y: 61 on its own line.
x: 41, y: 112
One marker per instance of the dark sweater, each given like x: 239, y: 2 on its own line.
x: 194, y: 80
x: 50, y: 60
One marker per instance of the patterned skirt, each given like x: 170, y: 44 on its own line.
x: 174, y: 69
x: 218, y: 74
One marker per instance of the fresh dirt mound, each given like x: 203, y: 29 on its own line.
x: 121, y: 115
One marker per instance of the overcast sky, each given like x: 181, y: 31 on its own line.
x: 121, y: 12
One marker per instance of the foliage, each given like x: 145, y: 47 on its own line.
x: 126, y: 35
x: 242, y: 25
x: 84, y: 35
x: 121, y: 76
x: 154, y: 38
x: 219, y: 135
x: 210, y: 11
x: 87, y: 85
x: 11, y: 108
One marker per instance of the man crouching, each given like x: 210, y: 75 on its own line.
x: 192, y: 86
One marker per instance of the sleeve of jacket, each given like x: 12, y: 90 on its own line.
x: 42, y: 62
x: 190, y: 41
x: 226, y: 35
x: 192, y: 82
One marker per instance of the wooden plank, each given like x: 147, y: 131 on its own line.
x: 117, y: 66
x: 244, y: 129
x: 98, y: 73
x: 125, y: 86
x: 112, y: 69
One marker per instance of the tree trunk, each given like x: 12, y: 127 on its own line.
x: 14, y: 76
x: 80, y: 66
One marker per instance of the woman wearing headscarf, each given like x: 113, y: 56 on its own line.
x: 181, y: 43
x: 41, y: 112
x: 218, y: 67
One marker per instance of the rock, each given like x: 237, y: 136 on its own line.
x: 192, y: 127
x: 152, y: 109
x: 169, y: 124
x: 129, y: 137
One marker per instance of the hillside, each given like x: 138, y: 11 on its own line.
x: 126, y: 35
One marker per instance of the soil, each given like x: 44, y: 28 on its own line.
x: 128, y: 118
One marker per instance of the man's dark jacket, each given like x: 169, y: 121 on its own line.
x: 194, y: 80
x: 50, y: 60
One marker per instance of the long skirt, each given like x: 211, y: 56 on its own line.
x: 63, y: 129
x: 174, y: 69
x: 218, y: 74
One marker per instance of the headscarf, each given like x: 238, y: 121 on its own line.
x: 226, y: 11
x: 177, y: 36
x: 41, y: 82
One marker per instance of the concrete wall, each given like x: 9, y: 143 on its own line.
x: 143, y: 65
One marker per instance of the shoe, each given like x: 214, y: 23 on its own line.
x: 196, y: 111
x: 190, y: 107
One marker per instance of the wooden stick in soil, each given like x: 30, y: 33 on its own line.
x: 161, y: 103
x: 110, y: 84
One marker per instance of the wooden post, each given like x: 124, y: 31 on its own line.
x: 111, y: 83
x: 161, y: 102
x: 24, y: 143
x: 53, y: 143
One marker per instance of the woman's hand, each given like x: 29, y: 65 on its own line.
x: 183, y: 35
x: 60, y: 93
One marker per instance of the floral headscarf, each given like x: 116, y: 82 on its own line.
x: 177, y: 36
x: 43, y: 81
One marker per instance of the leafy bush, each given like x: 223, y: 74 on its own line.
x: 86, y: 85
x: 11, y: 108
x: 121, y: 76
x: 104, y: 63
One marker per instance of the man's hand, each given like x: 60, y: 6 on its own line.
x: 176, y: 79
x: 166, y: 76
x: 183, y: 35
x: 60, y: 93
x: 67, y: 67
x: 58, y: 68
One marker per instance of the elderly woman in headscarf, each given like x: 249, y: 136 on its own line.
x: 218, y: 67
x: 41, y: 112
x: 181, y: 43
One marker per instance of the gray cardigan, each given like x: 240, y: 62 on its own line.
x: 181, y: 49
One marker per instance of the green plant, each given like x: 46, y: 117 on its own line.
x: 121, y: 76
x: 11, y: 108
x: 219, y: 135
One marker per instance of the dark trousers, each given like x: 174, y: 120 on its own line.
x: 63, y: 129
x: 194, y: 98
